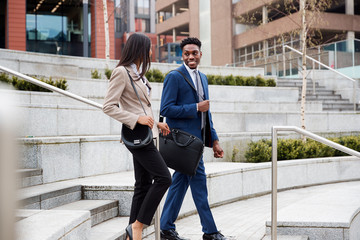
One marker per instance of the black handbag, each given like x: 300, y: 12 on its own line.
x: 181, y: 151
x: 141, y: 135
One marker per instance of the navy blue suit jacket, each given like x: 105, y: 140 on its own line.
x: 178, y: 105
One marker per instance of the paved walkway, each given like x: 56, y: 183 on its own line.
x: 245, y: 220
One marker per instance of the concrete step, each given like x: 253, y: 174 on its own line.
x: 113, y: 229
x: 321, y: 97
x: 29, y: 177
x: 49, y: 225
x: 100, y: 210
x: 21, y: 214
x: 328, y: 215
x: 48, y: 196
x: 286, y: 237
x: 299, y: 84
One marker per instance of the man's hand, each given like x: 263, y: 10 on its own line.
x: 164, y: 128
x: 204, y: 106
x: 218, y: 152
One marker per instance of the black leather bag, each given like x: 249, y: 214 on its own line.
x: 181, y: 151
x: 141, y: 135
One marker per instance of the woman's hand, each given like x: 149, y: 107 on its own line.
x: 164, y: 128
x: 146, y: 120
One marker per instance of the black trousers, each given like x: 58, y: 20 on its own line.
x: 152, y: 179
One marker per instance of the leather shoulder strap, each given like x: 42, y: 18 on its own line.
x: 187, y: 80
x: 132, y: 83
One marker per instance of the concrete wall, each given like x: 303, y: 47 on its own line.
x: 80, y: 67
x: 341, y: 85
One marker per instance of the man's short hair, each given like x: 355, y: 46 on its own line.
x: 190, y: 40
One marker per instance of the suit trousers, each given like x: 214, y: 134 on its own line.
x: 176, y: 194
x: 152, y: 179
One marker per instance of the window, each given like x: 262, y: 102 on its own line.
x: 55, y: 26
x: 142, y: 7
x: 142, y: 25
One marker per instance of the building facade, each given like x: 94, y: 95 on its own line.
x: 73, y: 27
x: 236, y: 31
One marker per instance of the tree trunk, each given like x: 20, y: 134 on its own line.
x: 107, y: 38
x: 303, y: 72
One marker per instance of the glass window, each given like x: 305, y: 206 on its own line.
x: 142, y: 7
x: 49, y: 27
x: 54, y: 26
x: 142, y: 25
x: 31, y: 27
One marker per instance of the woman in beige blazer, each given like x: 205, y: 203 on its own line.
x: 152, y: 177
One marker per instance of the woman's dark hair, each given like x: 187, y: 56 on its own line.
x: 136, y: 47
x: 190, y: 40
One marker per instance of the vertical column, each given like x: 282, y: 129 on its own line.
x: 131, y: 16
x: 350, y: 36
x: 15, y: 29
x: 265, y: 20
x: 86, y: 28
x: 152, y: 16
x: 174, y: 14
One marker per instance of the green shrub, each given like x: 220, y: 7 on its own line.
x: 288, y: 149
x: 240, y: 81
x: 20, y: 84
x: 5, y: 78
x: 158, y: 75
x: 352, y: 142
x: 229, y: 80
x: 108, y: 73
x: 154, y: 75
x: 211, y: 79
x: 260, y: 81
x: 259, y: 151
x: 95, y: 74
x: 271, y: 82
x: 218, y: 80
x: 250, y: 81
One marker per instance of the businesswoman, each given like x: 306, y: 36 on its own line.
x: 152, y: 177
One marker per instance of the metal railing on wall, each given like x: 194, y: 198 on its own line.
x: 83, y: 100
x: 329, y: 68
x: 274, y: 134
x: 340, y: 54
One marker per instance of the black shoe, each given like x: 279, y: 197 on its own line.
x: 214, y: 236
x: 128, y: 231
x: 170, y: 235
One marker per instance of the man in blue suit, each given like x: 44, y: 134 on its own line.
x: 185, y: 104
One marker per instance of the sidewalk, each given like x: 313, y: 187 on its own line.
x: 246, y: 219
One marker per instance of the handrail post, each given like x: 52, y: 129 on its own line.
x: 274, y: 185
x: 354, y: 95
x: 284, y: 63
x: 157, y: 213
x: 311, y: 135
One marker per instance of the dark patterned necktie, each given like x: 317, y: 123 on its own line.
x: 200, y: 91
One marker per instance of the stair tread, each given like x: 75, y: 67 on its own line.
x: 94, y: 206
x: 110, y: 229
x: 29, y: 172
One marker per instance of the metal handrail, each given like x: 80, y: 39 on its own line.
x: 329, y: 68
x: 274, y: 131
x: 51, y: 88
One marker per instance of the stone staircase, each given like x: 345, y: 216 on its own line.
x: 61, y: 210
x: 331, y: 101
x: 69, y: 149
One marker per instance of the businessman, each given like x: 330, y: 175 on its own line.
x: 186, y: 106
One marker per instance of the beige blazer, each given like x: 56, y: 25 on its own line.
x: 121, y: 102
